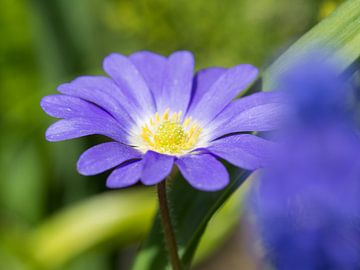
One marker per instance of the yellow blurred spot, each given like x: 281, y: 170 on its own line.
x: 327, y: 8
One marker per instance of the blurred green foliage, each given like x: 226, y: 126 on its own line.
x: 45, y: 43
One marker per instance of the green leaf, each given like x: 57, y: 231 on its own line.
x: 337, y: 36
x: 124, y: 214
x: 191, y: 211
x: 222, y: 224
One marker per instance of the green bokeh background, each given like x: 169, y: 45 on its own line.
x: 44, y: 43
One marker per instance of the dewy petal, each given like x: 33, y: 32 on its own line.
x: 203, y: 81
x: 127, y: 174
x: 152, y: 68
x: 78, y: 127
x: 103, y: 92
x: 227, y: 87
x: 156, y: 167
x: 63, y: 106
x: 130, y: 80
x: 176, y: 91
x: 243, y: 150
x: 203, y: 171
x: 105, y: 156
x: 262, y: 111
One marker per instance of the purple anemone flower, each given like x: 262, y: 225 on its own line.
x: 307, y: 202
x: 157, y: 114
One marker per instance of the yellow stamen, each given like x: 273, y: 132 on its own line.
x: 168, y: 135
x: 166, y: 115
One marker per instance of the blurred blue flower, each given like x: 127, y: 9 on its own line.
x: 307, y: 203
x: 157, y: 114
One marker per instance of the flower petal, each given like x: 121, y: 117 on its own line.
x: 103, y: 92
x: 105, y: 156
x: 227, y: 87
x: 78, y: 127
x: 243, y: 150
x: 127, y: 174
x: 156, y: 167
x: 203, y: 172
x: 176, y: 91
x: 63, y: 106
x: 203, y: 81
x: 258, y: 112
x: 132, y: 83
x: 152, y: 68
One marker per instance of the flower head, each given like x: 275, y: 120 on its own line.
x: 158, y: 114
x: 308, y: 202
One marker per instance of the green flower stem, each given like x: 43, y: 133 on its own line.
x: 167, y: 227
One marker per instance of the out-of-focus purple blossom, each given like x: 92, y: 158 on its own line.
x: 317, y: 93
x: 307, y: 203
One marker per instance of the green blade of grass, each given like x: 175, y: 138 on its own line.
x: 337, y: 36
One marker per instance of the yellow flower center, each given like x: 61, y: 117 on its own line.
x: 169, y: 135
